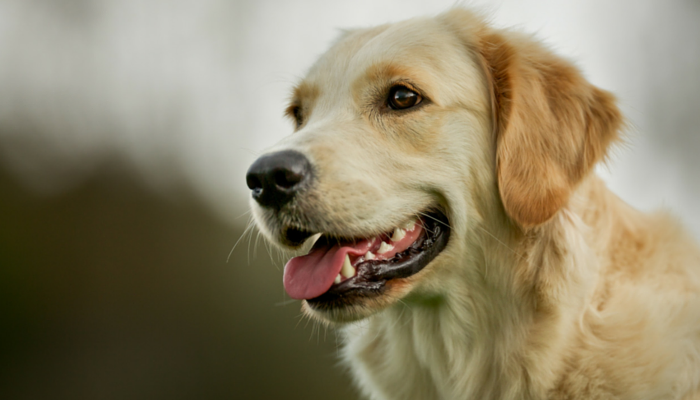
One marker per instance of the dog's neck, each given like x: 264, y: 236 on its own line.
x: 517, y: 291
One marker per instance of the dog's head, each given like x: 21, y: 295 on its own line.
x: 407, y: 137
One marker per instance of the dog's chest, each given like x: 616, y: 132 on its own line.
x: 405, y: 355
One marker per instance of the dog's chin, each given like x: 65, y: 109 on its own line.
x: 360, y: 307
x: 372, y: 277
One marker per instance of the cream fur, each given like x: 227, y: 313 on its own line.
x: 551, y: 287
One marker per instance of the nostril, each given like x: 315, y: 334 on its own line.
x: 254, y: 183
x: 286, y: 179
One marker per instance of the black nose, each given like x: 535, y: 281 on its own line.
x: 275, y: 178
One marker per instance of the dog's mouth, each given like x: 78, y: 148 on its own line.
x: 336, y: 272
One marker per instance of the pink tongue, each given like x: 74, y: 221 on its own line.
x: 310, y: 276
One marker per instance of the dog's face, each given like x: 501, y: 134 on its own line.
x: 393, y: 161
x: 390, y: 120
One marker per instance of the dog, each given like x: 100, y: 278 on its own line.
x: 442, y: 172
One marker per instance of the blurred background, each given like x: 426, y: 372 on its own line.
x: 126, y: 128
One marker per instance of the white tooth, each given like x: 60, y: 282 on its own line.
x: 410, y: 224
x: 347, y: 271
x: 398, y: 234
x: 370, y: 256
x: 384, y: 247
x: 311, y: 241
x: 338, y: 279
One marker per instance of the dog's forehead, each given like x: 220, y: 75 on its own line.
x: 421, y: 45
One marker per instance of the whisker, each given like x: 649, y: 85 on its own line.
x: 250, y: 236
x: 255, y: 246
x: 250, y: 225
x: 285, y: 302
x: 423, y: 226
x: 253, y: 152
x: 503, y: 244
x: 269, y: 250
x: 314, y: 326
x: 435, y: 219
x: 301, y: 318
x: 247, y: 212
x: 403, y: 310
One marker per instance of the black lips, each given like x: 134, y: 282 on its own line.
x: 372, y: 275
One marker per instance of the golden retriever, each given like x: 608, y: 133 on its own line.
x: 464, y: 246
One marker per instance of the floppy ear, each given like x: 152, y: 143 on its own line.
x: 552, y: 126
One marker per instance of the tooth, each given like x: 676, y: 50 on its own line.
x: 410, y: 224
x: 398, y: 234
x: 338, y: 279
x: 314, y: 238
x: 384, y: 247
x: 370, y: 256
x: 347, y: 271
x: 312, y: 241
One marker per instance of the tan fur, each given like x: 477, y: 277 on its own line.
x: 552, y: 126
x: 551, y: 287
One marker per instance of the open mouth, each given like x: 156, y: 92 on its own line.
x: 338, y: 271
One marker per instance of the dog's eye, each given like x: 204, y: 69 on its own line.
x: 297, y: 116
x: 401, y: 97
x: 295, y: 113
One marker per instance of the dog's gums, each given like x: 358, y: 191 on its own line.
x: 338, y: 271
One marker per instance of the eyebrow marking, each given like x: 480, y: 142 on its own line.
x: 302, y: 99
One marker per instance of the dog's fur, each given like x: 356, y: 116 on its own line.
x: 550, y: 287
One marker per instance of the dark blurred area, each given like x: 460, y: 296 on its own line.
x: 109, y: 291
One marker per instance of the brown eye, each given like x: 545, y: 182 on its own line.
x: 401, y: 97
x: 295, y: 113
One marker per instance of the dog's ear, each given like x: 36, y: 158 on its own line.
x: 552, y: 126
